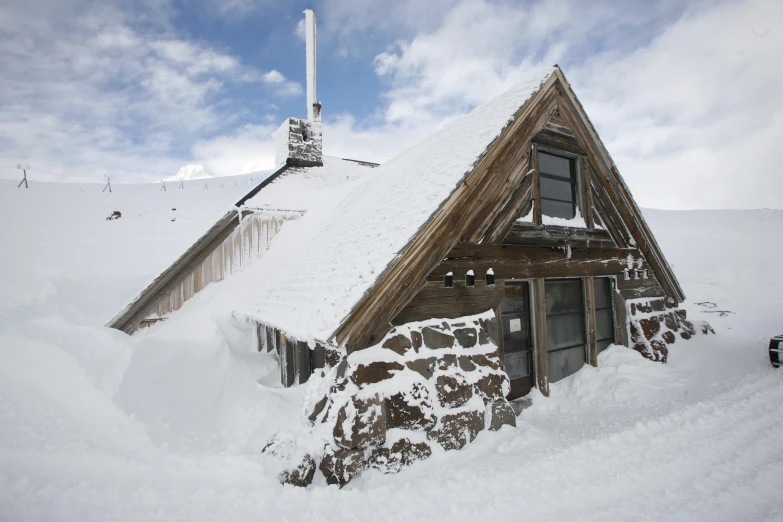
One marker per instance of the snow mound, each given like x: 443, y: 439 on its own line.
x: 189, y: 172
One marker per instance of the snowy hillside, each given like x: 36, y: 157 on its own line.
x: 189, y: 172
x: 169, y: 424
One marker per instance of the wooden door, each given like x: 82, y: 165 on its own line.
x: 517, y: 339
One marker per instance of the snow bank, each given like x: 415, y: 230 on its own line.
x: 168, y: 425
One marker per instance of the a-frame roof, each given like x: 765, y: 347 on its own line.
x: 351, y: 265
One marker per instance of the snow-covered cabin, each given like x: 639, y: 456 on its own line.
x: 499, y: 255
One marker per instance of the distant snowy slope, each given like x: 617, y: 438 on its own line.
x: 169, y: 424
x: 189, y: 172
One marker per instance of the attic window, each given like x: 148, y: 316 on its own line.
x: 470, y: 278
x: 557, y: 177
x: 490, y: 277
x: 448, y: 280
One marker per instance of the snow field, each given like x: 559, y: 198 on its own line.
x: 169, y: 424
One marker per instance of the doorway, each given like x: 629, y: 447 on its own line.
x: 517, y: 339
x: 565, y: 327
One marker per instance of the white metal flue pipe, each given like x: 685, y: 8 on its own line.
x: 310, y: 49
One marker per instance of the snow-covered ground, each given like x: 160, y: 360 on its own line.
x: 168, y: 424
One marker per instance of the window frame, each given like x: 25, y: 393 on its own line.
x: 580, y: 185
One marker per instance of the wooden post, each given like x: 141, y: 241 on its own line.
x: 536, y: 184
x: 592, y: 346
x: 540, y: 351
x: 586, y: 194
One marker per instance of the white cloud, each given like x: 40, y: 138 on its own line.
x: 685, y: 110
x: 85, y: 91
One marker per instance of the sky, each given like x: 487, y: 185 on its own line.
x: 685, y: 95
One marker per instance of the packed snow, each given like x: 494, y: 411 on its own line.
x: 169, y: 424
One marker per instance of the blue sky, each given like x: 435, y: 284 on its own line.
x: 685, y: 94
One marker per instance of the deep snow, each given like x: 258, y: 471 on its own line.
x: 168, y: 424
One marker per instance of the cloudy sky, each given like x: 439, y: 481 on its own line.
x: 686, y: 95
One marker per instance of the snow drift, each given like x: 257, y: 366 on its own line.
x: 169, y: 424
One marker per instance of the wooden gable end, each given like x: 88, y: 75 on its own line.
x: 475, y: 198
x: 476, y: 227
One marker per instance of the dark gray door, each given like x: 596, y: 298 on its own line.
x: 565, y: 326
x: 517, y: 342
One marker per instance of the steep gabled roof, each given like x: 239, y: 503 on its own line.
x: 358, y: 261
x: 346, y: 247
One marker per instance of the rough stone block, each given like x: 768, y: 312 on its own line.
x: 399, y: 343
x: 342, y: 465
x: 486, y: 361
x: 302, y: 475
x: 435, y: 339
x: 466, y: 337
x: 458, y: 429
x: 447, y: 361
x: 367, y: 421
x: 453, y: 391
x: 402, y: 453
x: 668, y: 337
x: 465, y: 364
x: 411, y: 409
x: 490, y: 387
x: 317, y: 409
x: 374, y: 372
x: 500, y: 414
x: 650, y: 326
x: 416, y: 338
x: 424, y: 367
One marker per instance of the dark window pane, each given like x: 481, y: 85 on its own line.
x: 557, y: 209
x: 604, y: 327
x: 565, y: 330
x: 603, y: 292
x: 563, y: 296
x: 554, y: 165
x: 557, y: 189
x: 517, y: 364
x: 565, y: 362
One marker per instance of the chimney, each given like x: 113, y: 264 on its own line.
x: 298, y: 141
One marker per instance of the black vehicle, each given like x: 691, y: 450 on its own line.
x: 776, y: 351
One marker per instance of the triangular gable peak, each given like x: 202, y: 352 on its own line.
x: 502, y: 187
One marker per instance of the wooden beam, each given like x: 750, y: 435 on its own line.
x: 536, y: 184
x: 528, y: 234
x: 540, y: 350
x: 558, y: 141
x: 516, y: 262
x: 609, y: 217
x: 592, y: 345
x: 517, y: 205
x: 586, y: 193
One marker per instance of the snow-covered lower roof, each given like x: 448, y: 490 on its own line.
x: 298, y: 188
x: 335, y: 253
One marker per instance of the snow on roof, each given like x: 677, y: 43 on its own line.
x: 335, y: 253
x: 299, y: 188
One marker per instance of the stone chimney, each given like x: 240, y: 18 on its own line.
x: 298, y: 141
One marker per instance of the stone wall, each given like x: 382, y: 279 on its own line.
x: 425, y: 385
x: 653, y: 327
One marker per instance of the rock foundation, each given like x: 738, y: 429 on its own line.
x: 435, y: 383
x: 654, y: 327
